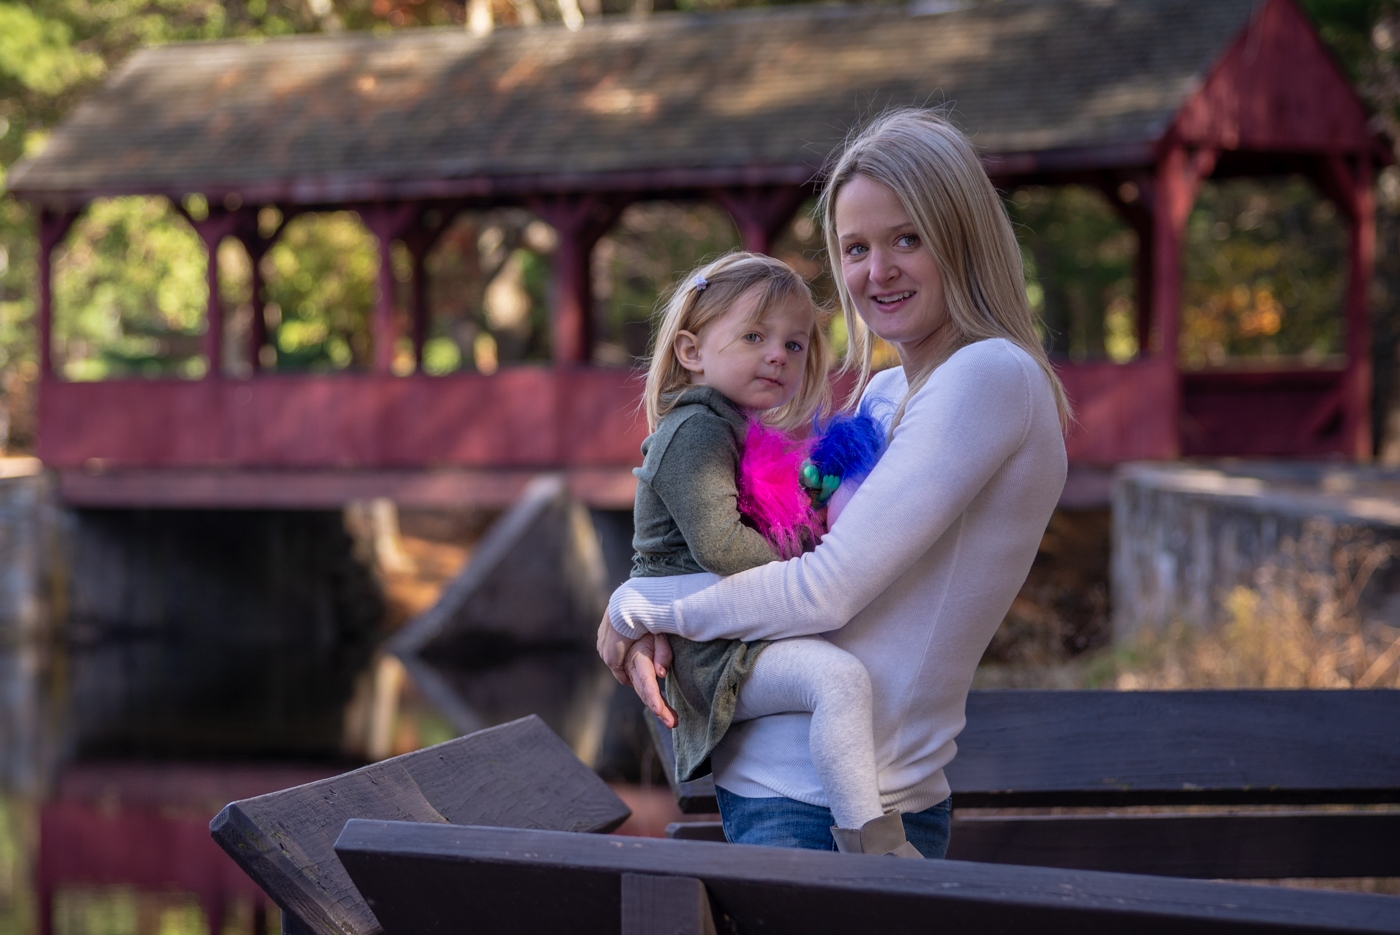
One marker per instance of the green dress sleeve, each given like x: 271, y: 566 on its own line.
x: 696, y: 481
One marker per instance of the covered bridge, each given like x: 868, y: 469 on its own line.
x: 1142, y: 99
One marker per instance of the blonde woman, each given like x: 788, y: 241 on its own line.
x: 923, y: 563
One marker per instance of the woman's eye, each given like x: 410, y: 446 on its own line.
x: 908, y: 240
x: 856, y: 250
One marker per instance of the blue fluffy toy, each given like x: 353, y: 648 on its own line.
x: 846, y: 448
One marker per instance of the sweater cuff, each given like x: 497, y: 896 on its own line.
x: 648, y: 605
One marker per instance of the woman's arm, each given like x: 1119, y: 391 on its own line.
x: 956, y: 432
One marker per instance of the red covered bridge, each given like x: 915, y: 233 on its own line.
x: 1142, y: 99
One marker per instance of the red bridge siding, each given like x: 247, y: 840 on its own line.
x: 1122, y: 411
x: 530, y: 419
x: 527, y: 417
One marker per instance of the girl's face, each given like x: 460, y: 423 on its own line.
x: 758, y: 365
x: 890, y: 273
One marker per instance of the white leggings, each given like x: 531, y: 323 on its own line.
x: 809, y: 674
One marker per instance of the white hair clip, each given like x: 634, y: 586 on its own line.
x: 700, y: 283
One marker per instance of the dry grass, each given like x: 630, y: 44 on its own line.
x: 1302, y: 625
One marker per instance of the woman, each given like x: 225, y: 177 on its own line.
x: 925, y: 559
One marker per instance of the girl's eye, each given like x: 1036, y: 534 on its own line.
x: 907, y: 240
x: 753, y: 337
x: 795, y: 346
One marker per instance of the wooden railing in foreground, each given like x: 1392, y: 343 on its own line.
x: 423, y: 860
x: 426, y: 879
x: 1256, y: 756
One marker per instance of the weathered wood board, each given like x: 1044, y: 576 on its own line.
x: 1210, y: 846
x: 518, y: 775
x: 426, y: 879
x: 1113, y: 749
x: 1107, y: 748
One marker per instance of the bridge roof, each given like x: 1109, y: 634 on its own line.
x: 753, y: 96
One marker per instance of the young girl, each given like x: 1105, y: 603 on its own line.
x: 740, y: 339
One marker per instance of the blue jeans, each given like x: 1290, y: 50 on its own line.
x: 783, y: 822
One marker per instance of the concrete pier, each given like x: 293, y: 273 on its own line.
x: 1187, y: 534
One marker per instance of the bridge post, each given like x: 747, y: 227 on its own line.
x: 53, y: 227
x: 1346, y: 180
x: 760, y: 211
x: 257, y: 246
x: 388, y: 222
x: 212, y: 229
x: 580, y: 221
x: 1172, y: 193
x: 420, y: 239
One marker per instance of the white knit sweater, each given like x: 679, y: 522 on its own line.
x: 913, y: 579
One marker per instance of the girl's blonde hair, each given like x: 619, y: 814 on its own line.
x: 932, y: 168
x: 692, y: 307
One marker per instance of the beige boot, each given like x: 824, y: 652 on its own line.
x: 883, y: 836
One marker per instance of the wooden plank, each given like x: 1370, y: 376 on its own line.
x: 1121, y: 410
x: 1269, y: 845
x: 523, y: 417
x: 696, y: 831
x: 1236, y: 413
x: 1259, y: 846
x: 1107, y: 748
x: 307, y: 488
x: 424, y: 879
x: 517, y: 775
x: 656, y: 905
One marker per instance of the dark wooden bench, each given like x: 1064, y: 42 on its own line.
x: 517, y: 775
x: 429, y: 879
x: 1264, y: 760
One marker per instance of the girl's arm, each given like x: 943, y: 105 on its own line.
x: 696, y: 481
x: 957, y: 431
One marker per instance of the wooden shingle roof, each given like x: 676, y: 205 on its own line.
x: 757, y: 96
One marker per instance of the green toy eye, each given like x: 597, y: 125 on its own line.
x: 811, y: 478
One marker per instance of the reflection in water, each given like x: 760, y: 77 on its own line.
x: 122, y: 910
x: 18, y: 830
x: 182, y: 636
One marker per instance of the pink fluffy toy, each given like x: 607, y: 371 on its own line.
x: 770, y: 491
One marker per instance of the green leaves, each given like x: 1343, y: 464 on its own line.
x: 39, y: 53
x: 130, y: 284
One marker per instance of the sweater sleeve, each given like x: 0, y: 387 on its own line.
x: 957, y: 431
x: 696, y: 481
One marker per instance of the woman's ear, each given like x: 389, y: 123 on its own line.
x: 687, y: 350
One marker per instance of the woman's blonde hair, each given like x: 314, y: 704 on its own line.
x: 690, y: 306
x: 934, y: 172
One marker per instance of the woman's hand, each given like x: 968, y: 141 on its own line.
x: 613, y: 647
x: 638, y: 663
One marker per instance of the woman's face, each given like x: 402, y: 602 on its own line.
x: 890, y: 273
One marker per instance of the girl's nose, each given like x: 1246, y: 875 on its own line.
x: 777, y: 354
